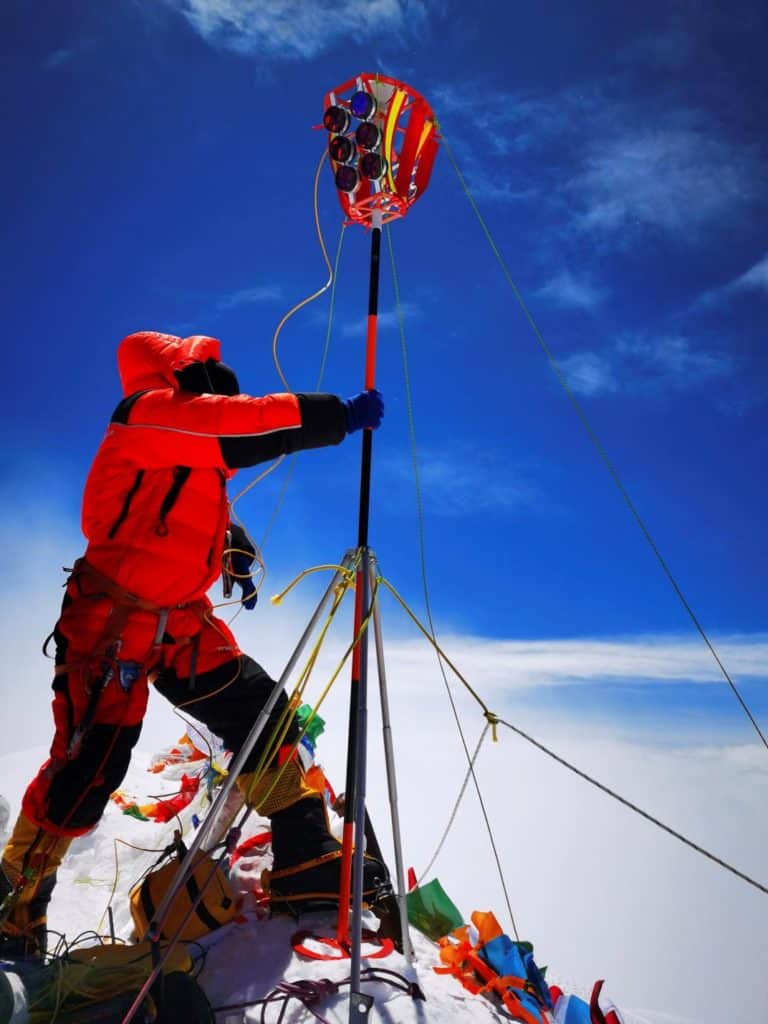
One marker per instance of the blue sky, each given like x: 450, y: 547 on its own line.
x: 158, y: 175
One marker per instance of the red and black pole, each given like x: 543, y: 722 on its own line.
x: 351, y: 884
x: 381, y: 167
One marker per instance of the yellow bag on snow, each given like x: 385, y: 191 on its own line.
x: 216, y: 906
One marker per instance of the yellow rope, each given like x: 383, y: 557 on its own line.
x: 489, y: 715
x: 345, y: 573
x: 332, y: 274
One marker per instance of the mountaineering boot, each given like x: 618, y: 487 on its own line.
x: 307, y: 860
x: 27, y: 879
x: 306, y: 865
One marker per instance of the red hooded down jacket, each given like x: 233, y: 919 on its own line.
x: 155, y: 505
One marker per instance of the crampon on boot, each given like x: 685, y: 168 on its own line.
x: 307, y: 862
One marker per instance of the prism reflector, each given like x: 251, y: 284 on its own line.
x: 373, y: 165
x: 347, y: 178
x: 395, y: 137
x: 362, y: 105
x: 336, y: 119
x: 342, y: 149
x: 368, y: 135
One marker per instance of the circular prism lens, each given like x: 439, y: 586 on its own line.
x: 368, y: 135
x: 342, y: 149
x: 347, y: 178
x: 336, y: 119
x: 373, y: 165
x: 362, y: 105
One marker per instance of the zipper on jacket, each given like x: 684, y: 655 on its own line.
x: 180, y: 477
x: 126, y: 503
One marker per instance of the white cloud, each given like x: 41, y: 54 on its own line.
x: 676, y: 177
x: 248, y: 296
x: 386, y: 320
x: 642, y: 362
x: 504, y: 665
x: 674, y: 358
x: 753, y: 280
x: 567, y: 289
x: 294, y: 28
x: 589, y: 373
x: 507, y: 122
x: 616, y: 164
x: 462, y: 482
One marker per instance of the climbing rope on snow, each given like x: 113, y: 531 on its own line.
x: 310, y: 991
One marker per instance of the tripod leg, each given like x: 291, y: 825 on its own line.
x: 356, y: 783
x: 389, y: 756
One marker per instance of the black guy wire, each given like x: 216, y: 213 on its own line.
x: 634, y: 807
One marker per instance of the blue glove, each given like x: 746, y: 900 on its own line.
x: 241, y: 567
x: 241, y: 560
x: 364, y: 410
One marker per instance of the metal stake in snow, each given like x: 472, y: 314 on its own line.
x: 382, y: 145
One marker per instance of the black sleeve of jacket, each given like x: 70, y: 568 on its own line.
x: 322, y: 423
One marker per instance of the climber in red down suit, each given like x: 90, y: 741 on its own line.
x: 155, y: 515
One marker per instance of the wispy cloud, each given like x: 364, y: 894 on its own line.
x: 648, y: 659
x: 590, y: 373
x: 567, y: 289
x: 294, y: 28
x: 604, y: 163
x: 677, y: 175
x: 674, y: 358
x: 248, y: 296
x: 643, y: 362
x: 56, y: 58
x: 753, y: 280
x: 387, y: 320
x: 508, y: 122
x: 465, y: 482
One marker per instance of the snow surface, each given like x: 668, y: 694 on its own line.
x: 247, y: 958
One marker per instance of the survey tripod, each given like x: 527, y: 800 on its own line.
x: 382, y: 144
